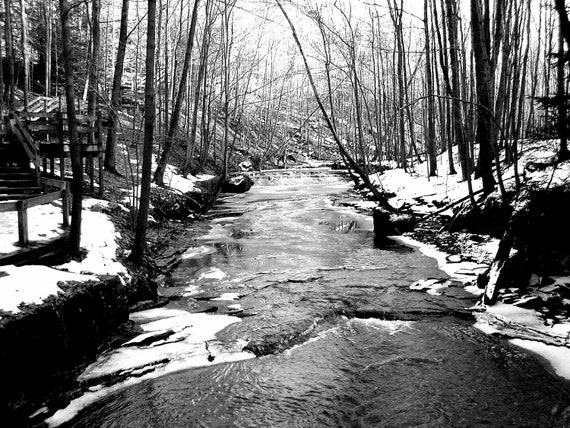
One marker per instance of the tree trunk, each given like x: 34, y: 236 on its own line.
x: 139, y: 243
x: 47, y: 22
x: 452, y: 19
x: 161, y: 167
x: 2, y: 87
x: 9, y: 53
x: 24, y: 40
x: 445, y: 111
x: 430, y: 107
x: 560, y: 6
x: 110, y: 148
x: 396, y: 15
x: 94, y: 63
x: 204, y: 49
x: 74, y: 144
x: 561, y: 97
x: 483, y: 78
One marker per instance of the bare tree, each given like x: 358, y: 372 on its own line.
x: 139, y: 243
x: 363, y: 176
x: 199, y: 80
x: 24, y: 40
x: 430, y: 105
x: 453, y: 88
x: 92, y: 94
x: 9, y: 53
x: 110, y: 147
x: 563, y: 152
x: 161, y: 167
x: 74, y: 144
x: 484, y: 76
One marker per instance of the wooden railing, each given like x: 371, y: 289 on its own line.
x: 22, y: 135
x: 51, y: 130
x: 21, y: 206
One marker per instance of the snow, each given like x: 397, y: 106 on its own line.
x: 212, y: 273
x: 463, y: 271
x: 32, y: 283
x: 410, y: 185
x: 192, y: 342
x: 553, y: 340
x: 173, y: 180
x: 228, y: 297
x: 197, y: 252
x: 98, y: 238
x: 44, y: 224
x: 557, y: 356
x: 529, y: 318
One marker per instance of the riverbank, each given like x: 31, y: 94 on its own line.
x: 300, y: 268
x: 533, y: 308
x: 73, y: 310
x: 462, y: 255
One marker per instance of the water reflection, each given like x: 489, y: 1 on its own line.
x: 300, y: 266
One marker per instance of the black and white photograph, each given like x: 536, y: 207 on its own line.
x: 284, y: 213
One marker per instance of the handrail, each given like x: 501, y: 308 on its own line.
x: 17, y: 128
x: 22, y: 205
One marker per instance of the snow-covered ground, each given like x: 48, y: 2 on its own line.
x: 525, y: 327
x: 172, y: 180
x: 32, y: 283
x: 44, y: 224
x: 187, y: 336
x: 173, y: 340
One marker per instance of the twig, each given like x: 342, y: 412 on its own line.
x: 433, y: 214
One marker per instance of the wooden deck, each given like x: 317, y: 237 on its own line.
x: 34, y: 165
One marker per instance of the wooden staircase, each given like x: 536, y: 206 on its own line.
x: 17, y: 179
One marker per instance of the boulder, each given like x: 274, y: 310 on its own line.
x: 238, y: 184
x: 388, y: 223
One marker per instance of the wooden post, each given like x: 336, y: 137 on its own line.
x: 61, y: 144
x: 91, y: 174
x: 100, y: 151
x: 65, y: 199
x: 100, y: 156
x: 22, y: 221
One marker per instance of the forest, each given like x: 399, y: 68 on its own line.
x: 218, y: 86
x: 401, y: 261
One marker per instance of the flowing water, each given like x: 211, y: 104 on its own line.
x: 339, y: 338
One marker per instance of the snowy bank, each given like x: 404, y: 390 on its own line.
x: 545, y: 332
x: 173, y: 340
x: 33, y: 284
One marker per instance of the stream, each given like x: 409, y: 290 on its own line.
x: 316, y: 326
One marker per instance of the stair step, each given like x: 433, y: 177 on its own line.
x: 17, y: 183
x: 20, y: 189
x: 16, y: 172
x: 16, y: 196
x: 17, y: 176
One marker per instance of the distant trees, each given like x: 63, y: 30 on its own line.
x: 111, y: 145
x: 391, y: 82
x: 175, y: 117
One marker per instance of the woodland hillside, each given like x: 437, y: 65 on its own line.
x: 224, y: 85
